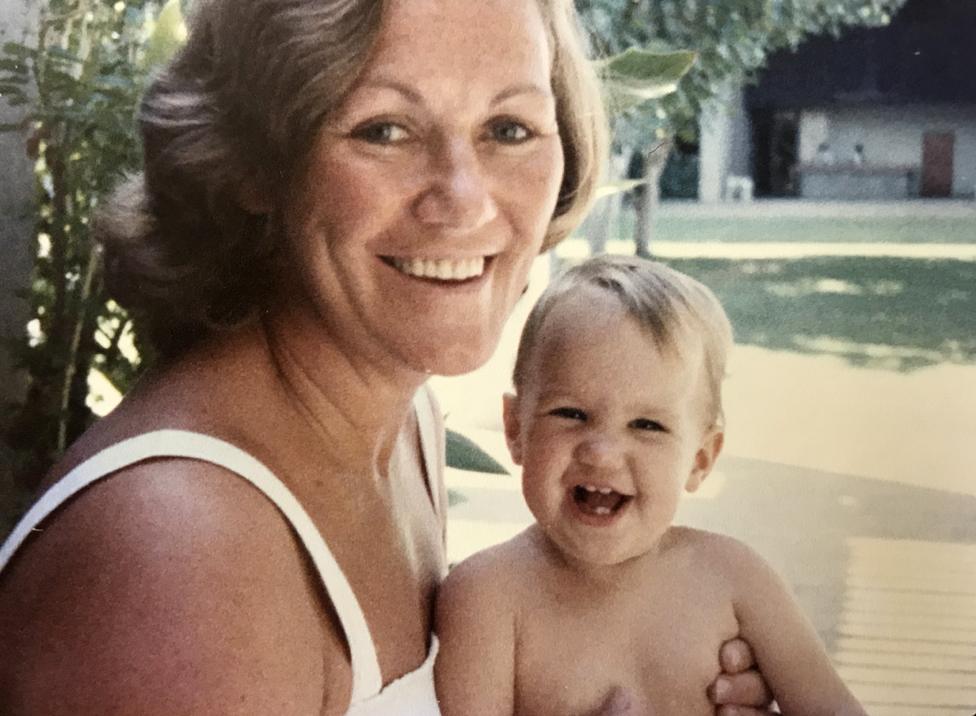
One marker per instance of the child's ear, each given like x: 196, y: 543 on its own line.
x: 513, y: 434
x: 705, y: 458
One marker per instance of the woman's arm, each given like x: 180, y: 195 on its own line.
x: 475, y: 669
x: 171, y: 587
x: 789, y: 653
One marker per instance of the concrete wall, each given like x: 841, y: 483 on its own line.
x: 814, y: 129
x: 893, y: 136
x: 16, y: 221
x: 725, y: 144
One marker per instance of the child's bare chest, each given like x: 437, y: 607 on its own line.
x: 661, y: 644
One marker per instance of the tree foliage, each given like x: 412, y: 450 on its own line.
x: 732, y: 39
x: 78, y: 83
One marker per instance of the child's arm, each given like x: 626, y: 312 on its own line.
x: 475, y: 669
x: 790, y: 655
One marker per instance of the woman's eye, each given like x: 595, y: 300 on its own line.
x: 381, y: 133
x: 649, y: 425
x: 568, y: 413
x: 509, y: 131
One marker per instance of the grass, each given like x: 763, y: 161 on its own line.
x: 898, y: 230
x: 879, y: 312
x: 896, y: 313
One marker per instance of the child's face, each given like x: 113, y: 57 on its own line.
x: 608, y: 429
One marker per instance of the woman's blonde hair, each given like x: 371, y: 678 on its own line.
x: 240, y: 106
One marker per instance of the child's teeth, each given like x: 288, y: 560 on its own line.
x: 605, y: 490
x: 601, y: 510
x: 589, y: 488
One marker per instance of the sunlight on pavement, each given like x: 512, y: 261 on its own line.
x: 822, y: 413
x: 907, y: 643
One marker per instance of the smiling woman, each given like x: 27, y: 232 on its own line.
x: 339, y: 197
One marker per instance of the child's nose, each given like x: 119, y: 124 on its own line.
x: 600, y: 451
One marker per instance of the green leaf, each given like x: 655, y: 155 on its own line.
x: 464, y: 454
x: 635, y: 75
x: 455, y: 498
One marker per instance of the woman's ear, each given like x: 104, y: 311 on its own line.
x: 705, y: 458
x: 513, y: 433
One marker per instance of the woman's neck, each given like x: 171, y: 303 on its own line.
x: 356, y: 401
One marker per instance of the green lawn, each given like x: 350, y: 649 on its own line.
x: 883, y: 312
x: 897, y: 313
x: 901, y: 230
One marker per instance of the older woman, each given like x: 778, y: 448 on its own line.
x: 340, y: 197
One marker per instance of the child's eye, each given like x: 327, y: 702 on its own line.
x: 381, y: 133
x: 568, y: 413
x: 508, y: 131
x: 649, y: 425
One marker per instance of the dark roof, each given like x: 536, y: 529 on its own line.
x: 926, y: 55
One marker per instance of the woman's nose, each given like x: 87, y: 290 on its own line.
x: 457, y: 197
x: 602, y: 452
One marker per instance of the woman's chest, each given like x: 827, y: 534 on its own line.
x: 662, y: 647
x: 390, y: 550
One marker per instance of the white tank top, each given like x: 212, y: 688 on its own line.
x: 413, y: 694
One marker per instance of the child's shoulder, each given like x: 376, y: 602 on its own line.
x: 719, y: 553
x: 497, y: 570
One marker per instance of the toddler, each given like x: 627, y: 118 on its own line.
x: 617, y: 409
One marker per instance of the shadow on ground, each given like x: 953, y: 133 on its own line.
x: 876, y: 312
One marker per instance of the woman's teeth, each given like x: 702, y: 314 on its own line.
x: 442, y: 269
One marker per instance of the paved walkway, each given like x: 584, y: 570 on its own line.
x: 913, y: 208
x: 578, y: 249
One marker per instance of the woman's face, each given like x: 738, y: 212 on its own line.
x: 430, y: 190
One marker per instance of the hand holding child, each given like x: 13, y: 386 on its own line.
x: 735, y: 691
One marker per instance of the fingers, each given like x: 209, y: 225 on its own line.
x: 743, y: 689
x: 736, y: 656
x: 743, y: 711
x: 619, y: 702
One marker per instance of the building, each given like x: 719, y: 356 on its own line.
x: 878, y: 113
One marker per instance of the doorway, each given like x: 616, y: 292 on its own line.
x: 937, y: 154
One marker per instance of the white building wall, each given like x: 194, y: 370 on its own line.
x: 725, y: 144
x: 16, y: 186
x: 814, y: 130
x: 893, y: 136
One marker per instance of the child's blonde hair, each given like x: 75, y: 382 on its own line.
x: 671, y: 305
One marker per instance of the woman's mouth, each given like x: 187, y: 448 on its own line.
x: 599, y: 501
x: 440, y: 269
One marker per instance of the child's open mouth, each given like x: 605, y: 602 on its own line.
x: 599, y: 501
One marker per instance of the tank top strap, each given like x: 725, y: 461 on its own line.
x: 367, y: 678
x: 427, y: 411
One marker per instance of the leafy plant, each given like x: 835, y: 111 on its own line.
x: 79, y: 85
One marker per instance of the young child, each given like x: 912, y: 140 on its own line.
x: 617, y: 409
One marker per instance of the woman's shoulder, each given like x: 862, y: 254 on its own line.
x: 151, y: 579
